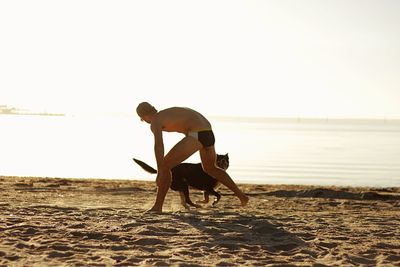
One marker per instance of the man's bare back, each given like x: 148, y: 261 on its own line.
x: 182, y: 120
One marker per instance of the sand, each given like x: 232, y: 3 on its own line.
x: 93, y: 222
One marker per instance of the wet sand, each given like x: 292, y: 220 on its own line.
x: 92, y: 222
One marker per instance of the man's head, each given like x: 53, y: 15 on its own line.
x: 144, y: 109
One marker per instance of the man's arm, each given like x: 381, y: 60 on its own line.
x: 156, y: 128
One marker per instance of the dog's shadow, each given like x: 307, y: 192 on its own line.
x: 234, y: 231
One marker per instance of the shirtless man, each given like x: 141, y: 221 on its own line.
x: 198, y: 137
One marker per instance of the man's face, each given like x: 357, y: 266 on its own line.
x: 145, y: 119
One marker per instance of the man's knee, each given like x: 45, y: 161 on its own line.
x: 168, y: 164
x: 210, y: 169
x: 164, y: 180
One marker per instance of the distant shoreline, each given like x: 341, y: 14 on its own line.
x: 34, y: 114
x: 7, y: 110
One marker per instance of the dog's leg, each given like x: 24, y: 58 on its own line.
x: 218, y: 195
x: 187, y: 198
x: 206, y: 198
x: 183, y: 200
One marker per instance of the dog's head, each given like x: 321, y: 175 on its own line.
x: 223, y: 161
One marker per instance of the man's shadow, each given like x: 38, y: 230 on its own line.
x: 234, y: 231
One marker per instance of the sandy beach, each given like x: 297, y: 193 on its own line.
x: 93, y: 222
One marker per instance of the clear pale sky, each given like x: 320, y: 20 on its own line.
x: 338, y: 58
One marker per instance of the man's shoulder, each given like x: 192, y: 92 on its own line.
x: 175, y: 112
x: 175, y: 109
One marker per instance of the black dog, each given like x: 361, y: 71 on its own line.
x: 193, y: 175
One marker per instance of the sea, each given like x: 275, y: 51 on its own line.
x: 337, y: 152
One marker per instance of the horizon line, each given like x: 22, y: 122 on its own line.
x: 24, y: 111
x: 213, y: 116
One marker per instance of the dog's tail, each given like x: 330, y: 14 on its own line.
x: 145, y: 166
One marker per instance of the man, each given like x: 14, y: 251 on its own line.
x: 198, y: 137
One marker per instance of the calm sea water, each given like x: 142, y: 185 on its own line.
x: 267, y: 151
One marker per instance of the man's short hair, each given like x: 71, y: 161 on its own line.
x: 144, y: 109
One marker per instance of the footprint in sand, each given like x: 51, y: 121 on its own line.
x: 148, y: 241
x: 57, y: 254
x: 328, y: 245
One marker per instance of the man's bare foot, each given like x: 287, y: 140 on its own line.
x: 244, y: 200
x: 153, y: 210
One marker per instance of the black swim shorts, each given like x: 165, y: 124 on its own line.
x: 205, y: 137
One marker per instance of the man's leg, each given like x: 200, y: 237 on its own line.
x: 208, y: 160
x: 163, y: 184
x: 181, y: 151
